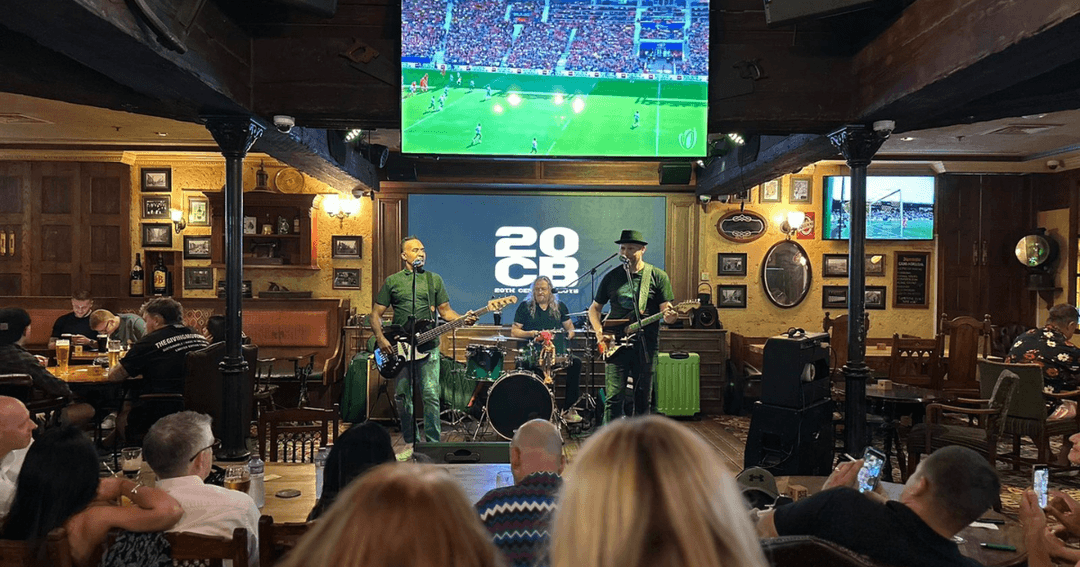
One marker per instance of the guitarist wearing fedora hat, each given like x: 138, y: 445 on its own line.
x: 634, y: 291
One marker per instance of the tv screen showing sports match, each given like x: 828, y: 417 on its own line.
x: 558, y: 78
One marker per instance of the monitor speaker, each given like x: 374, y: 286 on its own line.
x: 675, y: 173
x: 465, y: 453
x: 706, y: 317
x: 788, y: 441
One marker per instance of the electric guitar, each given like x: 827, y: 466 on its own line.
x: 400, y: 352
x: 622, y: 334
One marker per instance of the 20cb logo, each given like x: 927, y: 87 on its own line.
x: 517, y: 247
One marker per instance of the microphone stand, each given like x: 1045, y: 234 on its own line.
x: 644, y: 356
x: 416, y: 394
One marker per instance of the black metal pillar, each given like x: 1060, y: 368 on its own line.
x: 858, y: 143
x: 234, y: 135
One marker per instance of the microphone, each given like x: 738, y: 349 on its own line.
x: 418, y: 265
x: 624, y: 259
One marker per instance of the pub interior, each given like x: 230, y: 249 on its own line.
x: 130, y: 135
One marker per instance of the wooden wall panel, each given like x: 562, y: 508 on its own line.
x: 58, y: 284
x: 390, y: 220
x: 682, y: 246
x: 105, y: 245
x: 15, y: 217
x: 10, y: 284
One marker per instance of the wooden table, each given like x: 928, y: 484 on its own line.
x: 878, y: 357
x: 81, y: 374
x: 1009, y: 533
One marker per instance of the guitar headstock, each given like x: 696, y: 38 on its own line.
x: 500, y: 303
x: 686, y: 306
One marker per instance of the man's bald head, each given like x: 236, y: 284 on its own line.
x: 536, y: 447
x: 16, y: 427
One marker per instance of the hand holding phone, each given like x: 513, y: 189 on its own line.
x: 873, y: 462
x: 1040, y: 479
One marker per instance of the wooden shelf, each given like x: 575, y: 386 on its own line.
x: 297, y: 250
x: 273, y: 267
x: 269, y: 236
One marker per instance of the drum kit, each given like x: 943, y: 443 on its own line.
x: 517, y: 395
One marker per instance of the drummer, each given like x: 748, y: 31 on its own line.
x: 542, y: 311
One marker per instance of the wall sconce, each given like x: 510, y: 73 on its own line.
x: 178, y: 220
x: 340, y: 207
x: 792, y: 223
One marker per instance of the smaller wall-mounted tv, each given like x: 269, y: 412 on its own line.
x: 898, y: 207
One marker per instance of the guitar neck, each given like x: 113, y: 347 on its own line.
x: 635, y: 327
x: 446, y: 327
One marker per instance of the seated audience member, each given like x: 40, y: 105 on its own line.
x: 405, y: 515
x: 14, y: 359
x: 127, y: 328
x: 1043, y: 543
x: 646, y: 491
x: 76, y: 323
x: 57, y: 487
x: 16, y: 435
x: 179, y: 448
x: 518, y: 516
x: 1050, y: 348
x: 215, y: 331
x: 361, y: 448
x: 950, y: 489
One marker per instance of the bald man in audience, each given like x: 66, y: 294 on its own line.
x: 16, y: 435
x: 518, y: 516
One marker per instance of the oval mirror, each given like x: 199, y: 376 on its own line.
x: 1033, y: 250
x: 786, y: 274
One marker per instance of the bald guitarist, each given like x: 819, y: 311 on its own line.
x: 431, y: 298
x: 649, y: 288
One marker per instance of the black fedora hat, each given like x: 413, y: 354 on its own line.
x: 632, y: 237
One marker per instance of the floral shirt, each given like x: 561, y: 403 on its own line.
x: 1059, y: 359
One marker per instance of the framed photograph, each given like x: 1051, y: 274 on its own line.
x: 245, y: 288
x: 801, y: 190
x: 198, y: 211
x: 834, y: 297
x: 250, y: 225
x: 196, y: 247
x: 834, y: 265
x: 198, y: 278
x: 346, y: 278
x: 347, y: 246
x: 157, y: 235
x: 875, y: 265
x: 875, y: 297
x: 770, y: 191
x: 156, y: 179
x: 731, y: 296
x: 157, y: 207
x: 731, y: 264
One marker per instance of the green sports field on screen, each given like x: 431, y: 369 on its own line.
x: 567, y: 116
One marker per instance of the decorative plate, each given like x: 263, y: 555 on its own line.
x: 289, y: 180
x: 742, y: 226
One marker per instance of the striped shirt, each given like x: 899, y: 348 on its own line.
x: 518, y: 518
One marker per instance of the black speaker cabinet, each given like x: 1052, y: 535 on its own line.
x: 705, y: 317
x: 465, y: 452
x: 795, y: 370
x: 788, y: 441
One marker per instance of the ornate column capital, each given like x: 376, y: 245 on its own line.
x: 234, y: 134
x: 859, y: 142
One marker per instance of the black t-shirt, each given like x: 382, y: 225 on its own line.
x: 622, y: 295
x: 544, y: 320
x: 74, y: 325
x: 889, y: 533
x: 159, y: 358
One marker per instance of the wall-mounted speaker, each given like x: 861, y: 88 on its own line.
x: 675, y: 173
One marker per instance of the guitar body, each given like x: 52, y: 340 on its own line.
x: 623, y: 333
x: 391, y: 363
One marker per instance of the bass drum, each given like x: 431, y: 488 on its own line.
x: 516, y: 397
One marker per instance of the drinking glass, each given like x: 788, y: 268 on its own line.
x: 237, y: 477
x: 114, y: 352
x: 132, y: 461
x: 102, y: 343
x: 63, y: 349
x: 504, y: 478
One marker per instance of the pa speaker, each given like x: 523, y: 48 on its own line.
x: 788, y: 441
x: 465, y: 453
x: 675, y: 173
x: 706, y: 317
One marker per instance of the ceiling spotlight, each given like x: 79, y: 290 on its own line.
x: 352, y: 135
x: 737, y: 139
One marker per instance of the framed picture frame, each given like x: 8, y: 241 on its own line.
x: 196, y: 247
x: 834, y: 265
x: 731, y: 264
x: 731, y: 297
x: 834, y: 297
x: 346, y: 278
x: 251, y: 225
x: 157, y: 207
x: 156, y: 179
x: 198, y: 211
x: 347, y: 246
x: 875, y: 265
x: 770, y: 191
x: 802, y: 189
x: 198, y: 278
x: 875, y: 297
x: 157, y: 235
x: 245, y: 288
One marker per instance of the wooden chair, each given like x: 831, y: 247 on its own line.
x: 276, y: 540
x: 838, y: 339
x: 194, y: 549
x: 968, y: 339
x: 915, y: 362
x: 932, y: 435
x: 294, y: 435
x: 1027, y: 415
x: 203, y: 386
x: 45, y: 412
x: 57, y: 551
x: 809, y: 551
x: 16, y: 385
x: 264, y: 390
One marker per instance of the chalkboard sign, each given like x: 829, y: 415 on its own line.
x: 909, y: 279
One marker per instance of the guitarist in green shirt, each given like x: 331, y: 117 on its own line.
x: 431, y: 299
x: 649, y: 291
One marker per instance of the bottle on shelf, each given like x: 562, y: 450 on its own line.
x: 137, y: 281
x: 320, y: 468
x: 296, y: 223
x: 161, y: 277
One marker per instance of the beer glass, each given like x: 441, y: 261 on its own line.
x: 102, y: 343
x: 132, y: 461
x: 114, y: 352
x: 63, y: 349
x: 237, y: 477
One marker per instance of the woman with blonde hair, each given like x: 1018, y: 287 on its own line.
x: 405, y: 515
x: 648, y: 492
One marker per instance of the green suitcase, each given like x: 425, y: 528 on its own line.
x: 678, y: 384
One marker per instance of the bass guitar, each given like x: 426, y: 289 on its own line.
x: 400, y: 351
x: 623, y: 334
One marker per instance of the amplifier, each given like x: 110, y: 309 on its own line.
x: 788, y: 441
x: 795, y: 370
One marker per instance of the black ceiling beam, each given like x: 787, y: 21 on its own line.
x: 724, y: 176
x: 309, y: 150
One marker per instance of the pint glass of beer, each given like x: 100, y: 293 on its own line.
x: 63, y: 349
x: 237, y: 477
x: 114, y: 353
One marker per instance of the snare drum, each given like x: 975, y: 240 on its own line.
x: 484, y: 362
x: 515, y: 398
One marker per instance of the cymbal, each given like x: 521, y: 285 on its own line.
x: 497, y: 338
x: 578, y: 313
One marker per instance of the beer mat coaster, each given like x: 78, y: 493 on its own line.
x: 287, y: 493
x: 270, y: 477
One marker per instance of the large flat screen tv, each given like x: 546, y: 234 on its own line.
x: 897, y: 208
x: 564, y: 78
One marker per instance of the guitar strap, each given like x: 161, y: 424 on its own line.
x: 643, y: 290
x: 431, y: 295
